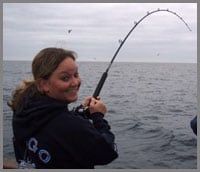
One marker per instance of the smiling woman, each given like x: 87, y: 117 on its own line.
x: 48, y: 135
x: 64, y: 82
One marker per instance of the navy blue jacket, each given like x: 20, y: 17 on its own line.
x: 193, y: 124
x: 59, y: 138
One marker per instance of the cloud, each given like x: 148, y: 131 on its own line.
x: 96, y: 29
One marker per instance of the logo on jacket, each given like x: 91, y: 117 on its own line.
x: 43, y: 154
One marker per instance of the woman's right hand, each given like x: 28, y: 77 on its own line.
x: 96, y: 105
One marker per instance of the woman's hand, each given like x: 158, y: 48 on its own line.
x: 86, y: 101
x: 94, y: 105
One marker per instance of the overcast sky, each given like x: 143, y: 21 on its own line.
x: 97, y: 28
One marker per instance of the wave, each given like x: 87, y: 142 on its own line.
x: 142, y: 111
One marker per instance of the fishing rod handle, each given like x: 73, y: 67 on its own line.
x: 100, y: 84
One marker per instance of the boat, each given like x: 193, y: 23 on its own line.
x: 9, y: 164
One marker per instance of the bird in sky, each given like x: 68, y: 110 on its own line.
x: 120, y: 41
x: 69, y: 31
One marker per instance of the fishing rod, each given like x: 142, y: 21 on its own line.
x: 105, y: 74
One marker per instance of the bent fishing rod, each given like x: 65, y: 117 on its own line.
x: 105, y: 74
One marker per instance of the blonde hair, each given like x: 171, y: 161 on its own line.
x: 43, y: 65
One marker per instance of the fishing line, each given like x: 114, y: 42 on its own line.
x: 101, y: 82
x: 105, y: 74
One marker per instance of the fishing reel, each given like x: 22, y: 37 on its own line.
x: 82, y: 111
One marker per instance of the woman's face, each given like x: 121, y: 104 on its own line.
x: 64, y: 82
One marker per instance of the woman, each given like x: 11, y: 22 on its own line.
x: 46, y: 133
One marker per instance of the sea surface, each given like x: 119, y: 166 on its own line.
x: 150, y: 106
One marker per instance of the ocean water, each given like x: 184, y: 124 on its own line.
x: 150, y: 106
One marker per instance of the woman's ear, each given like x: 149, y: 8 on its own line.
x: 43, y: 85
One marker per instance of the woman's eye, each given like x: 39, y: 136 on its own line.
x: 76, y: 75
x: 65, y: 78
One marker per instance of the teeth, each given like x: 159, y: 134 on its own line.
x: 74, y: 89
